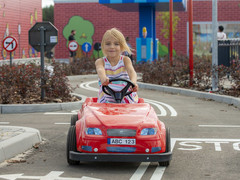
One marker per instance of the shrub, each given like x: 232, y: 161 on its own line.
x: 79, y: 67
x: 22, y: 84
x: 162, y: 73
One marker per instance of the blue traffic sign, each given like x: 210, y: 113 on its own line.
x: 86, y: 47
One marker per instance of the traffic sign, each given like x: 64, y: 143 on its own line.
x: 97, y: 46
x: 50, y: 36
x: 73, y: 45
x: 86, y: 47
x: 10, y: 44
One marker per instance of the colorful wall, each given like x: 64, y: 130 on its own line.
x: 16, y: 18
x: 101, y: 18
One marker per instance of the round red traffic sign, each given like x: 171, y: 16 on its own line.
x: 10, y: 43
x: 73, y: 45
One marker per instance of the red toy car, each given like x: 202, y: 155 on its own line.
x: 118, y: 132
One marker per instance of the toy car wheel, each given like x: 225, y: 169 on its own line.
x: 74, y: 119
x: 71, y: 144
x: 168, y: 147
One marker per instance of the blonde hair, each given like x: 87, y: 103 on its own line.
x: 115, y: 33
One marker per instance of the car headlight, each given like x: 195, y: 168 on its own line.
x: 93, y: 131
x: 148, y: 131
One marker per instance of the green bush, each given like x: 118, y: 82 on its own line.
x: 160, y: 72
x: 22, y: 84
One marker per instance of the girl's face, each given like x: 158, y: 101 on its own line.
x: 112, y: 47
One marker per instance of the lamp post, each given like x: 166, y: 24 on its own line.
x: 171, y: 31
x: 190, y: 19
x: 214, y: 46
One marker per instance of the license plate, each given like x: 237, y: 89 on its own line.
x: 121, y: 141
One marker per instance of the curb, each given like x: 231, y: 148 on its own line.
x: 19, y: 143
x: 30, y: 108
x: 34, y: 108
x: 198, y: 94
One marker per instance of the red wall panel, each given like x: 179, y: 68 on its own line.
x: 104, y: 18
x: 15, y: 12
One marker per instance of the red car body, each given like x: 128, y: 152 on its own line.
x: 119, y: 122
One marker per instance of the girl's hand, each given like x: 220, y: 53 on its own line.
x: 135, y: 89
x: 105, y: 81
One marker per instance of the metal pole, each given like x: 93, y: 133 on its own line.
x: 171, y: 31
x: 214, y: 46
x: 10, y: 59
x: 42, y: 44
x: 190, y: 19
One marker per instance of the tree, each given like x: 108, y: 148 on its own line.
x: 48, y: 14
x: 164, y: 17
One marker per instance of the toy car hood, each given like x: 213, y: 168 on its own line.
x: 109, y: 114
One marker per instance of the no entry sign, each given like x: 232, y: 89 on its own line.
x: 10, y: 44
x: 73, y: 45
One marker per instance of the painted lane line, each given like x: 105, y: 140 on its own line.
x: 62, y: 123
x: 50, y: 176
x: 158, y: 173
x: 221, y: 126
x: 4, y: 123
x: 59, y: 113
x: 87, y: 86
x: 163, y: 111
x: 205, y: 140
x: 140, y: 171
x: 171, y: 109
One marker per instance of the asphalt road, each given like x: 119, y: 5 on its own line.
x: 205, y: 141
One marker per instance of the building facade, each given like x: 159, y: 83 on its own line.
x: 91, y: 19
x: 16, y: 18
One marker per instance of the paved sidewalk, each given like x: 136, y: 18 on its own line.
x: 15, y: 140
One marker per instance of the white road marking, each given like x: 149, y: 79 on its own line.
x: 158, y: 173
x: 62, y: 123
x: 4, y: 123
x: 205, y: 139
x: 171, y: 109
x: 87, y: 87
x: 53, y: 175
x: 158, y: 104
x: 61, y: 113
x: 140, y: 171
x: 162, y: 110
x: 221, y: 126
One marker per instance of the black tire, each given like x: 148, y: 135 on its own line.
x: 74, y: 119
x: 168, y: 140
x: 71, y: 145
x: 168, y: 147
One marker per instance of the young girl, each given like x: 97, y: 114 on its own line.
x: 115, y: 65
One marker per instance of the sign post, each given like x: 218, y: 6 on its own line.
x: 10, y: 45
x: 43, y: 36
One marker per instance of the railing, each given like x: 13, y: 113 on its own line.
x: 228, y: 51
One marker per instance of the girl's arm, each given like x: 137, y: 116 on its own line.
x: 101, y: 71
x: 131, y: 72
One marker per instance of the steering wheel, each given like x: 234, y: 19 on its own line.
x: 118, y: 95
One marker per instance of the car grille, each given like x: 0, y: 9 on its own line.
x: 121, y: 149
x: 121, y: 132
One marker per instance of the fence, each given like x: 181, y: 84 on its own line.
x: 228, y: 51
